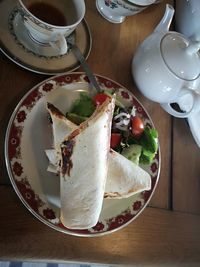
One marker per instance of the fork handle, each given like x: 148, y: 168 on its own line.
x: 86, y: 67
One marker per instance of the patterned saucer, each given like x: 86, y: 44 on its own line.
x: 16, y: 44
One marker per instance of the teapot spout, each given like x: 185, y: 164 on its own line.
x: 165, y: 22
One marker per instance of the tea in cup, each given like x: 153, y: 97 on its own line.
x: 50, y: 22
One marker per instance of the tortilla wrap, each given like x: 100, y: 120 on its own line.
x: 124, y: 179
x: 84, y: 167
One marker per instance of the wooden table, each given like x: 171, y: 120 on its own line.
x: 168, y: 231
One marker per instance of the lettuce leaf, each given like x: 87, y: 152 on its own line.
x: 83, y: 106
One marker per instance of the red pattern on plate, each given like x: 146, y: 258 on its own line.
x: 31, y: 198
x: 14, y: 142
x: 99, y: 227
x: 29, y: 195
x: 108, y: 83
x: 120, y: 220
x: 154, y: 167
x: 49, y: 214
x: 31, y: 98
x: 21, y: 116
x: 147, y: 194
x: 68, y: 78
x: 47, y: 87
x: 17, y: 169
x: 137, y: 205
x: 125, y: 95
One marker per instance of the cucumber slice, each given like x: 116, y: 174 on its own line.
x: 132, y: 153
x: 146, y: 156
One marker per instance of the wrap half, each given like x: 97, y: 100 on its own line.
x: 84, y: 169
x: 125, y: 178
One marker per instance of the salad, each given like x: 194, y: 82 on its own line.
x: 129, y: 135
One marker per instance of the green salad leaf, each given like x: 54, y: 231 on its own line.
x: 149, y: 143
x: 149, y: 139
x: 146, y: 156
x: 83, y: 106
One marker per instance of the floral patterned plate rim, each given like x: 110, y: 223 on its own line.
x: 29, y: 133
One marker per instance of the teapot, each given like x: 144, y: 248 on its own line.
x: 166, y: 68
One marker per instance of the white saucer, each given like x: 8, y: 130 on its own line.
x: 16, y: 44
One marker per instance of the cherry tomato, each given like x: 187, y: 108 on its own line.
x: 99, y: 98
x: 115, y: 140
x: 137, y: 126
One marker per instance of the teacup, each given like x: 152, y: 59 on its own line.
x: 50, y: 22
x: 116, y: 11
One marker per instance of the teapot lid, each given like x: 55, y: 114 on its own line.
x: 183, y: 62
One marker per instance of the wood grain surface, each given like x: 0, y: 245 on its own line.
x: 186, y: 169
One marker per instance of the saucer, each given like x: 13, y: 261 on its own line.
x: 17, y: 45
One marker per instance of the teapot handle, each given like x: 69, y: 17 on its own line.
x: 195, y: 105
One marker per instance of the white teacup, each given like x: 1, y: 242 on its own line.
x: 117, y: 10
x: 50, y: 22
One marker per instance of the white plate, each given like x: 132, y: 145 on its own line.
x: 17, y: 46
x: 29, y: 133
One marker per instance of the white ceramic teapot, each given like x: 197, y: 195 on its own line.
x: 166, y: 67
